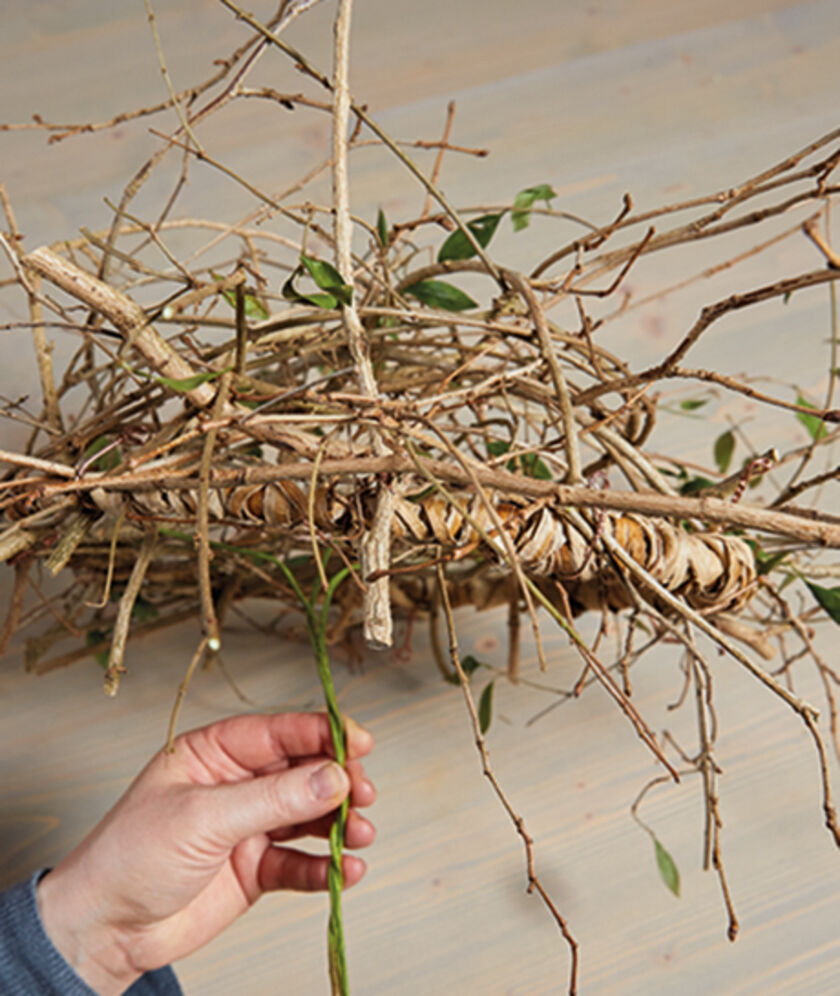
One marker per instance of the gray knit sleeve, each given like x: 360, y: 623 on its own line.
x: 29, y: 962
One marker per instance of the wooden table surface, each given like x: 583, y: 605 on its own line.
x: 661, y: 99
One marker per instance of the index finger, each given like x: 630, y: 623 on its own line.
x: 247, y: 744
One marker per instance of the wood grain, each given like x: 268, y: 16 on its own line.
x: 662, y: 99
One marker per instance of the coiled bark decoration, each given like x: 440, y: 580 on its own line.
x: 712, y: 571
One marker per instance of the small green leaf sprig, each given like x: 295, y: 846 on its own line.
x: 326, y: 277
x: 469, y: 665
x: 438, y: 293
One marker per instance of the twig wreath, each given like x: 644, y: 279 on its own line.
x: 372, y: 440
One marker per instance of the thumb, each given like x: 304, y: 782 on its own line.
x: 271, y: 802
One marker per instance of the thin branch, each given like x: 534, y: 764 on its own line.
x: 203, y: 644
x: 123, y: 621
x: 165, y: 73
x: 305, y: 66
x: 710, y: 314
x: 376, y: 544
x: 574, y: 475
x: 802, y: 527
x: 209, y: 622
x: 534, y: 883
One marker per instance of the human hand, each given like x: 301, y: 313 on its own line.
x: 198, y: 837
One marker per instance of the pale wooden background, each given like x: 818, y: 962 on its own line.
x: 596, y: 98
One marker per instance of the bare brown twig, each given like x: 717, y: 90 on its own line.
x: 534, y: 883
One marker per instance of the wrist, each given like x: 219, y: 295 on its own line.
x: 91, y: 948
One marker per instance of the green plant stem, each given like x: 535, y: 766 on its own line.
x: 316, y: 625
x: 335, y: 878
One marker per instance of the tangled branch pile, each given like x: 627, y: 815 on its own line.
x: 370, y: 410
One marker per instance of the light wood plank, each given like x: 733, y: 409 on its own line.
x: 659, y: 98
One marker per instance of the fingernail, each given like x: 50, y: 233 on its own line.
x: 328, y: 781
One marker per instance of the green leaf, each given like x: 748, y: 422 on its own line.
x: 765, y: 562
x: 188, y: 383
x: 724, y: 448
x: 693, y: 404
x: 382, y: 229
x: 437, y: 294
x: 667, y: 869
x: 143, y: 611
x: 108, y: 461
x: 523, y: 202
x: 458, y: 246
x: 291, y: 293
x: 254, y: 308
x: 470, y: 664
x: 94, y: 636
x: 485, y: 707
x: 786, y: 580
x: 430, y: 490
x: 328, y: 278
x: 829, y: 599
x: 695, y: 484
x: 532, y: 466
x: 815, y: 426
x: 497, y: 447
